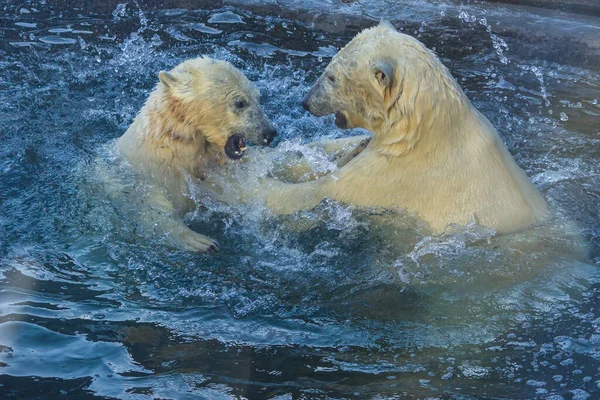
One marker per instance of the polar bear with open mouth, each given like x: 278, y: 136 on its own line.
x: 432, y: 153
x: 199, y: 115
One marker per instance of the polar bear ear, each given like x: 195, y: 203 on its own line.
x: 384, y: 23
x: 168, y: 79
x: 384, y: 73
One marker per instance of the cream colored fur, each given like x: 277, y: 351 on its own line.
x: 432, y: 153
x: 182, y: 130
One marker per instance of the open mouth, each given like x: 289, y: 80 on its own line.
x: 340, y: 120
x: 235, y: 147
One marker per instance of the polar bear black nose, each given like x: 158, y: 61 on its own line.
x: 270, y: 135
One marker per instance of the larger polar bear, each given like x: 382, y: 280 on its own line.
x: 432, y: 153
x: 197, y: 118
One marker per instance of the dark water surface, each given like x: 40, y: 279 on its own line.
x: 89, y: 307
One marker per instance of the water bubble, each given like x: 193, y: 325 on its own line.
x: 563, y: 117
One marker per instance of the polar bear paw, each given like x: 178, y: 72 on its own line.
x: 192, y: 241
x: 341, y: 159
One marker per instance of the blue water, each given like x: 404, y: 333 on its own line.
x: 331, y: 303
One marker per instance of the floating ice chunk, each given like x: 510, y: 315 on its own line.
x: 175, y: 12
x: 265, y: 49
x: 204, y: 29
x: 474, y: 371
x: 226, y: 17
x: 502, y: 84
x: 579, y: 394
x: 26, y: 24
x: 325, y: 51
x: 522, y: 344
x: 22, y: 44
x: 56, y: 40
x: 535, y: 383
x: 175, y: 34
x: 568, y: 361
x: 59, y: 30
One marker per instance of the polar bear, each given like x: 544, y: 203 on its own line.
x: 431, y: 153
x: 198, y: 116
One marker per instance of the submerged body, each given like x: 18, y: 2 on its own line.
x: 432, y: 153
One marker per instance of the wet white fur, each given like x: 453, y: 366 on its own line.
x: 432, y: 152
x: 181, y: 130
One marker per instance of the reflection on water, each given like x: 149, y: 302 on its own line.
x: 329, y: 303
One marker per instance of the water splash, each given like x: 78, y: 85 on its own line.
x: 498, y: 43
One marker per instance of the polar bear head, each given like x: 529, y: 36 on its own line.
x: 212, y: 98
x: 386, y: 82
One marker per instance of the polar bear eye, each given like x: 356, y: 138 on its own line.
x: 240, y: 104
x: 331, y: 78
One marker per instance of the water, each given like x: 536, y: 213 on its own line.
x: 330, y: 303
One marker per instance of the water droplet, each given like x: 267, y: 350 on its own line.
x: 563, y: 117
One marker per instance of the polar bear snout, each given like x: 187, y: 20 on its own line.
x: 317, y: 101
